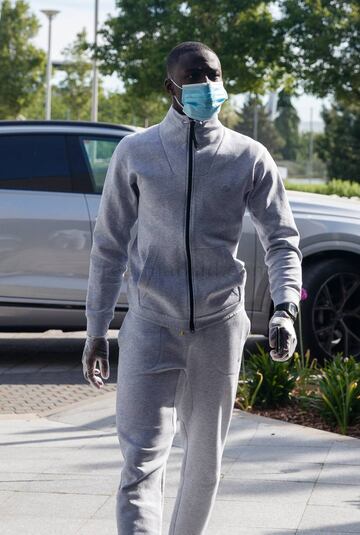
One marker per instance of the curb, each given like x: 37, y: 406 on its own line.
x: 338, y: 437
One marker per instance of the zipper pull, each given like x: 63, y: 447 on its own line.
x: 192, y: 132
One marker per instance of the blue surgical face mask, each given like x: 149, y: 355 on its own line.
x: 202, y: 101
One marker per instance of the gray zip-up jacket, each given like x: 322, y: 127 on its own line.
x: 187, y: 184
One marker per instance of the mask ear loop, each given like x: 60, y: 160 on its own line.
x: 177, y: 100
x: 179, y: 86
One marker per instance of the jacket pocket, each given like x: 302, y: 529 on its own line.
x: 218, y: 279
x: 162, y: 285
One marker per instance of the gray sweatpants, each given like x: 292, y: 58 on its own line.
x: 165, y: 375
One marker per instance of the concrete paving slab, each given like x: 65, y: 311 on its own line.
x: 281, y: 471
x: 311, y: 532
x: 340, y: 474
x: 256, y: 514
x: 267, y: 454
x: 330, y: 519
x: 345, y: 453
x: 228, y: 517
x: 44, y: 482
x: 339, y: 496
x: 72, y: 483
x: 256, y: 490
x: 276, y: 478
x: 5, y: 494
x: 52, y: 504
x: 30, y: 525
x: 94, y: 527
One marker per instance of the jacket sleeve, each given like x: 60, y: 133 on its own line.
x: 274, y: 222
x: 108, y: 257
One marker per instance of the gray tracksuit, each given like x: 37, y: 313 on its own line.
x: 180, y: 345
x: 188, y: 188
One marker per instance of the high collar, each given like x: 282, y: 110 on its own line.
x: 174, y: 134
x: 175, y: 126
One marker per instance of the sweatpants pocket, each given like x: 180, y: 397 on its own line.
x: 140, y: 345
x: 231, y: 337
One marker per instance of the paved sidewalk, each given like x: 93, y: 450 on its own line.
x: 43, y: 371
x: 59, y: 474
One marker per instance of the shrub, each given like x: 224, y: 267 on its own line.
x: 278, y: 379
x: 247, y: 391
x: 337, y: 398
x: 343, y: 188
x: 306, y: 370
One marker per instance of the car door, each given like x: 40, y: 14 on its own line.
x: 45, y: 233
x: 97, y: 150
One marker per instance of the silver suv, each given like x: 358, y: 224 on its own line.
x: 51, y: 179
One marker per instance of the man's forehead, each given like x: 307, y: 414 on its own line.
x: 198, y: 59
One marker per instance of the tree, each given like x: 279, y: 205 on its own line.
x: 228, y: 114
x: 266, y: 131
x: 22, y: 69
x: 322, y: 45
x: 36, y: 108
x: 339, y: 145
x: 126, y: 108
x: 138, y: 39
x: 287, y: 124
x: 75, y: 88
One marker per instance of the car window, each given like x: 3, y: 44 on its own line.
x: 98, y: 152
x: 34, y: 162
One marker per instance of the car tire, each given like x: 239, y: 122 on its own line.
x: 330, y: 314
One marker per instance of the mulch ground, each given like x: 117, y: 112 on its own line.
x: 293, y: 413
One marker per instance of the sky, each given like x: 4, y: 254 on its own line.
x: 76, y: 14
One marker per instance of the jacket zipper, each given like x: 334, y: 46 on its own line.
x: 192, y: 140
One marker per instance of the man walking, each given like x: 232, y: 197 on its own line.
x: 187, y: 182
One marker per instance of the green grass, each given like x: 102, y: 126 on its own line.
x: 343, y: 188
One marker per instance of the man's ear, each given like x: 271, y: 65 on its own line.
x: 169, y: 86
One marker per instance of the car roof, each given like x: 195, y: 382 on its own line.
x: 59, y: 126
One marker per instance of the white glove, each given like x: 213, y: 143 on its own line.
x: 282, y: 336
x: 96, y: 349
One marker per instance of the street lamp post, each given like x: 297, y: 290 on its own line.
x: 50, y: 13
x: 94, y: 99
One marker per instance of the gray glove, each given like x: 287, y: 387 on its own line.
x: 282, y: 336
x: 96, y: 350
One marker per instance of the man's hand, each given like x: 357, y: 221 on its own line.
x: 96, y: 349
x: 282, y: 336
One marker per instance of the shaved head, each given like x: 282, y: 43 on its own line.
x: 184, y: 48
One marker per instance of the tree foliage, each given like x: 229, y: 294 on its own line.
x: 339, y: 146
x: 267, y: 134
x: 311, y: 43
x: 287, y: 124
x: 138, y: 39
x: 129, y: 109
x: 22, y: 64
x: 322, y: 45
x: 75, y: 88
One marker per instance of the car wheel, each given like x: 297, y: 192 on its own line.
x: 331, y: 312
